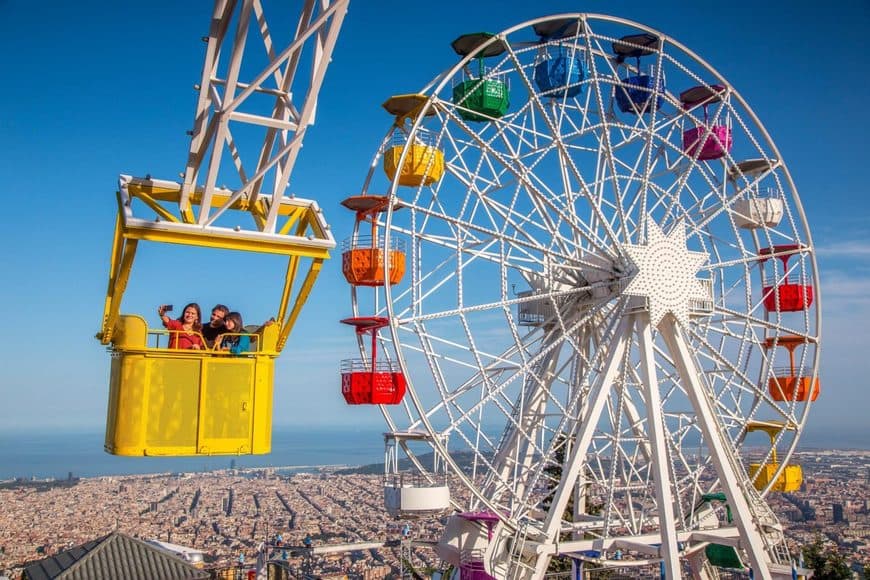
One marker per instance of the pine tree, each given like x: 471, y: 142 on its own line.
x: 554, y: 471
x: 826, y: 564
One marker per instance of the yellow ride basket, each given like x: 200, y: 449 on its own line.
x: 200, y: 402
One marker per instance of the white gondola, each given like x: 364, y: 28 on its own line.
x: 759, y: 206
x: 758, y: 212
x: 408, y: 492
x: 534, y: 311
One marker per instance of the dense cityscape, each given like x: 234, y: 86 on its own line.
x: 229, y: 514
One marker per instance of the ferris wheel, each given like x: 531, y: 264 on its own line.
x: 588, y: 281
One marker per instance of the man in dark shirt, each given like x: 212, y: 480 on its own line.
x: 215, y: 326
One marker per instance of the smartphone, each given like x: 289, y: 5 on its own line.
x: 167, y: 308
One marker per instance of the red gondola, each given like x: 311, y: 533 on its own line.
x: 785, y: 295
x: 370, y: 381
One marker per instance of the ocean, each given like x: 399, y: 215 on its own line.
x: 56, y: 455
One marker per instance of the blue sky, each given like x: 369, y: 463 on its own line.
x: 93, y: 89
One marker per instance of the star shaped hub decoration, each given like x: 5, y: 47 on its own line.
x: 666, y: 273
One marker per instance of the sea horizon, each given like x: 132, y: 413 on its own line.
x: 37, y: 454
x: 79, y: 452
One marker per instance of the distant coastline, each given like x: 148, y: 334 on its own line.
x: 80, y: 454
x: 41, y: 455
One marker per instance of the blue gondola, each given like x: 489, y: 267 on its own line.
x: 637, y: 93
x: 634, y: 94
x: 559, y: 75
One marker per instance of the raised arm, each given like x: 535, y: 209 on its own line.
x: 161, y: 312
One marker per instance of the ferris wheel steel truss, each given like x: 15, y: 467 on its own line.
x: 546, y: 388
x: 272, y: 109
x: 226, y: 102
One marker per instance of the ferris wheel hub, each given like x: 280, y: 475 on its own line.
x: 666, y: 273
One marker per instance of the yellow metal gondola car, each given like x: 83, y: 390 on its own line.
x: 166, y: 401
x: 424, y: 161
x: 791, y: 477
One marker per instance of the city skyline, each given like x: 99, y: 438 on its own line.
x: 230, y: 512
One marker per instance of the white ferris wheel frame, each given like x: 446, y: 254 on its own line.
x: 751, y: 511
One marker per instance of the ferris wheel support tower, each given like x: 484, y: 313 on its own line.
x: 223, y: 96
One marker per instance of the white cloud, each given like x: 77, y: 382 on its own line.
x: 847, y: 249
x: 842, y: 288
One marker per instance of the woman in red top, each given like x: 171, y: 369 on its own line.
x: 184, y: 332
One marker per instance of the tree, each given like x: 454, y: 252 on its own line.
x: 826, y: 563
x: 554, y: 471
x: 561, y: 445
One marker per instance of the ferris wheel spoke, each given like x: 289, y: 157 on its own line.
x: 504, y: 360
x: 606, y: 150
x: 524, y: 244
x: 544, y: 205
x: 488, y: 238
x: 642, y: 131
x: 743, y: 382
x: 682, y: 185
x: 678, y: 212
x: 652, y: 131
x: 567, y: 171
x: 509, y: 214
x: 724, y: 205
x: 437, y: 372
x: 629, y: 176
x: 527, y: 367
x: 745, y: 260
x: 773, y: 326
x: 563, y: 156
x: 513, y: 242
x: 505, y: 302
x: 704, y: 204
x: 433, y: 212
x: 501, y: 365
x: 518, y: 158
x: 457, y: 164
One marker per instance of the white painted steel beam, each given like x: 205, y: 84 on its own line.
x: 722, y: 456
x: 224, y: 103
x: 660, y: 460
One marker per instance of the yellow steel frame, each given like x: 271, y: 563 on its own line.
x: 301, y: 217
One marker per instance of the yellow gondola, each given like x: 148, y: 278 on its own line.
x: 200, y: 402
x: 424, y: 162
x: 762, y: 475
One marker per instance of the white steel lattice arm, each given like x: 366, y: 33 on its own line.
x: 227, y: 102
